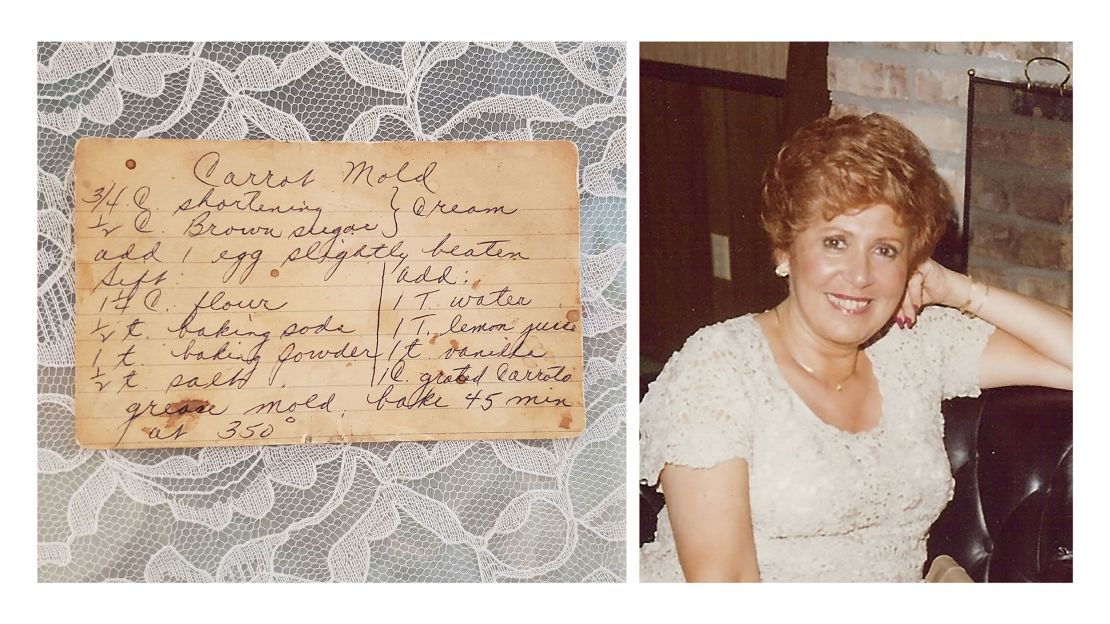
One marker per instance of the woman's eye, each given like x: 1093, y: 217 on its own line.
x: 888, y: 251
x: 834, y: 242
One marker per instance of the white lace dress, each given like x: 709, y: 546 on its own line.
x: 827, y: 505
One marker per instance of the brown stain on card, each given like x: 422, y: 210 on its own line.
x: 184, y: 406
x: 188, y: 419
x: 455, y: 345
x: 565, y: 422
x: 186, y: 415
x: 474, y: 286
x: 274, y: 273
x: 130, y: 164
x: 573, y: 315
x: 433, y: 340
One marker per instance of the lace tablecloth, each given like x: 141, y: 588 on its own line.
x: 435, y: 511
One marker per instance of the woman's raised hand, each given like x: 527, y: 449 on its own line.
x: 932, y: 283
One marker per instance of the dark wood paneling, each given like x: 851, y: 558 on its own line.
x: 718, y: 171
x: 674, y: 225
x: 754, y: 136
x: 702, y: 77
x: 762, y: 58
x: 807, y: 86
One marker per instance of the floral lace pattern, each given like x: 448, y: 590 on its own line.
x: 827, y: 504
x: 436, y: 511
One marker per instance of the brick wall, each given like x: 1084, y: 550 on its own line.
x: 1020, y: 209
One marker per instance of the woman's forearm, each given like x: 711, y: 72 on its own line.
x: 1045, y: 328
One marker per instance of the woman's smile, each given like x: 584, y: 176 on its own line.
x: 851, y: 306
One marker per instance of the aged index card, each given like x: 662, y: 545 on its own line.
x: 257, y: 292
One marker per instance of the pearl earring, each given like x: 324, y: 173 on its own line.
x: 783, y: 269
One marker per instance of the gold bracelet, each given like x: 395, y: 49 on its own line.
x: 976, y: 296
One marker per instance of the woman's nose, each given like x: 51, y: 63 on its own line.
x: 859, y: 270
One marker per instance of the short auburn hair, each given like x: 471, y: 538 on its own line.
x: 835, y: 166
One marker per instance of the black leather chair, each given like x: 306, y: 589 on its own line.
x: 1010, y: 518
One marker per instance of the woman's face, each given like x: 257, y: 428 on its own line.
x: 848, y: 274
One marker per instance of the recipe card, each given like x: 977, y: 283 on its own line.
x: 259, y: 292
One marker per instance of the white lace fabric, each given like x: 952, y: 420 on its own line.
x: 435, y: 511
x: 827, y: 504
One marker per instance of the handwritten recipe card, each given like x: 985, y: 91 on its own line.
x: 257, y: 292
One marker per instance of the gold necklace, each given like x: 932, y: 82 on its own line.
x: 838, y: 386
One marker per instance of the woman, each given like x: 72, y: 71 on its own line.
x: 805, y: 443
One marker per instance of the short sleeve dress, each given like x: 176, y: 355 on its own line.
x: 827, y: 504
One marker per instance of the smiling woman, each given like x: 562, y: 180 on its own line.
x: 804, y: 443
